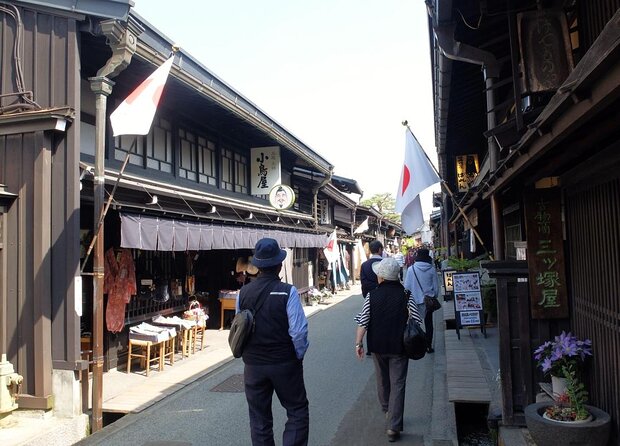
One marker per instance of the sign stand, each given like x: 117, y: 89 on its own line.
x: 468, y: 303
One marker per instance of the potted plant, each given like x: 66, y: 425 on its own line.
x: 565, y: 351
x: 567, y: 419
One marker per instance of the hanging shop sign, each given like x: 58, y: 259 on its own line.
x: 545, y: 49
x: 448, y: 282
x: 467, y: 169
x: 545, y: 254
x: 265, y: 169
x: 281, y: 196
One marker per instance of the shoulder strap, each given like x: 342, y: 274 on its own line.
x: 416, y: 278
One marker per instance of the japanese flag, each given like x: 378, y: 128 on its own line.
x: 417, y: 175
x: 135, y: 114
x: 363, y: 227
x: 331, y: 250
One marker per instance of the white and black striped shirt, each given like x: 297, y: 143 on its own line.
x: 363, y: 318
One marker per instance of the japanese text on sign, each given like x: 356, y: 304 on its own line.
x: 545, y: 255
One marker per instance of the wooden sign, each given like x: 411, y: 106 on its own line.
x: 545, y: 49
x: 545, y: 254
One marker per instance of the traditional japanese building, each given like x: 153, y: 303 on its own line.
x: 526, y: 111
x: 192, y: 200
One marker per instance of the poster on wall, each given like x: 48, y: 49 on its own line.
x: 265, y: 170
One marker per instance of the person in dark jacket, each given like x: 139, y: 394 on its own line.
x: 383, y: 317
x: 273, y: 356
x: 367, y: 276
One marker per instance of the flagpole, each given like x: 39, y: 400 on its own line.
x: 104, y: 210
x: 449, y: 192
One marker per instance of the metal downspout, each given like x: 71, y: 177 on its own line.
x: 122, y: 39
x: 454, y: 50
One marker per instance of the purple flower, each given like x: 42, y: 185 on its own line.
x: 564, y: 350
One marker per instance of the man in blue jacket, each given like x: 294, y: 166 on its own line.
x: 368, y: 278
x: 273, y: 355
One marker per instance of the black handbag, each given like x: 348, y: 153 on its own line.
x: 414, y: 340
x: 431, y: 303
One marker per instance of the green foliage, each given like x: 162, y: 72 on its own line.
x: 462, y: 264
x: 576, y: 391
x: 384, y: 203
x: 489, y: 299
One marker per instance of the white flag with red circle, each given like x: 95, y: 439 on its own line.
x: 417, y: 175
x: 134, y: 116
x: 331, y: 250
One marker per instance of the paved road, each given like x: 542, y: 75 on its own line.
x: 341, y: 390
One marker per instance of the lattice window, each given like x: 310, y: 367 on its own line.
x: 126, y: 143
x: 159, y: 146
x: 187, y: 155
x: 206, y: 162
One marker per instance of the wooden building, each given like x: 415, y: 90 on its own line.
x: 526, y: 121
x: 185, y: 196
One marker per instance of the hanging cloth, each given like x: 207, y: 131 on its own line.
x: 119, y: 283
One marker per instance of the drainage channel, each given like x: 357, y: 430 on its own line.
x: 471, y: 425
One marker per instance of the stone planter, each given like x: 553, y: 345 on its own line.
x: 554, y: 433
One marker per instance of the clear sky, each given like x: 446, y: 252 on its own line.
x: 340, y: 75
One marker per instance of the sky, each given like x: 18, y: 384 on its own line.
x: 340, y: 75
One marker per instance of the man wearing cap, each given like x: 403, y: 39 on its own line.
x: 421, y: 280
x: 383, y: 317
x: 273, y: 355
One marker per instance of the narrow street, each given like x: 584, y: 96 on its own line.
x: 341, y: 390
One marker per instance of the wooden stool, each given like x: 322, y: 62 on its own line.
x: 185, y: 340
x: 168, y: 350
x: 145, y: 354
x: 199, y: 335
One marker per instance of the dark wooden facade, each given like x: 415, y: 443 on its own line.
x: 41, y: 252
x: 565, y: 138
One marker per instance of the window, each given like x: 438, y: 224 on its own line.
x: 206, y: 162
x: 234, y: 171
x: 227, y: 170
x: 187, y: 155
x: 159, y: 146
x: 127, y: 143
x: 241, y: 173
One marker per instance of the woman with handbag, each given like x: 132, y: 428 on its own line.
x: 385, y: 325
x: 421, y: 281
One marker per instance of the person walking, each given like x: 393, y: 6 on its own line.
x: 273, y: 356
x: 367, y: 276
x: 383, y: 316
x: 421, y: 280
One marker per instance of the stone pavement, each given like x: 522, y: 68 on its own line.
x: 135, y: 392
x: 132, y: 392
